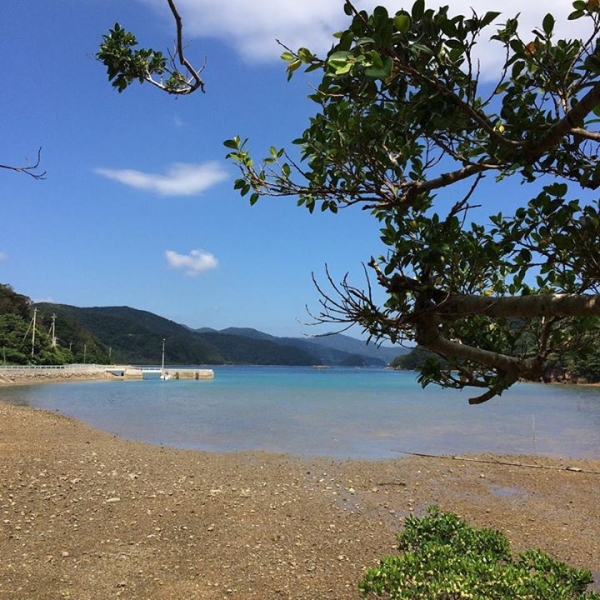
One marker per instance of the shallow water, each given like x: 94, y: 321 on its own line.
x: 353, y: 413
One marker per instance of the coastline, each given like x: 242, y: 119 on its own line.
x: 87, y: 515
x: 32, y: 376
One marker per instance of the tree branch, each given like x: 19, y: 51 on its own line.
x: 509, y: 369
x: 571, y: 120
x: 413, y: 189
x: 584, y: 133
x: 28, y: 169
x: 194, y: 82
x: 457, y: 306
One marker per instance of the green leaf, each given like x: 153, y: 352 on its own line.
x: 418, y: 10
x: 293, y: 66
x: 380, y: 12
x: 382, y: 70
x: 305, y: 55
x: 488, y: 18
x: 376, y: 59
x: 340, y: 61
x: 402, y: 23
x: 455, y: 45
x: 548, y: 24
x: 365, y: 41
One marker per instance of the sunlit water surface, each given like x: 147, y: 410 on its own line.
x: 353, y: 413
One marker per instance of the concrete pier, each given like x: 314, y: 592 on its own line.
x: 195, y: 374
x: 48, y: 373
x: 167, y: 374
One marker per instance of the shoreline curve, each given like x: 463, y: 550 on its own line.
x: 88, y: 515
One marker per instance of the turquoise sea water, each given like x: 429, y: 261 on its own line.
x: 342, y: 413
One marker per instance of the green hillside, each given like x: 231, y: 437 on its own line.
x: 136, y: 336
x: 246, y: 350
x: 120, y: 334
x: 334, y: 349
x: 20, y: 345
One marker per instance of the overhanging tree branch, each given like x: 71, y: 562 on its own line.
x: 569, y: 124
x: 525, y: 307
x: 125, y: 63
x: 28, y: 169
x: 400, y: 119
x: 194, y: 82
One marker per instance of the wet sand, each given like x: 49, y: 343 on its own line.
x: 87, y: 516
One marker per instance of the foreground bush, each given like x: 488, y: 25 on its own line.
x: 445, y: 559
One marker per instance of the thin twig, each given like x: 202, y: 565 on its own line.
x: 28, y: 169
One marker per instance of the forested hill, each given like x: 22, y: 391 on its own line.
x: 333, y: 348
x: 135, y: 336
x: 29, y: 337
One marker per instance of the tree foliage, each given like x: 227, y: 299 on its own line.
x: 406, y: 129
x: 443, y: 558
x: 19, y: 344
x: 125, y: 63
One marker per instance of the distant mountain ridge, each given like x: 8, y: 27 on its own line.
x: 333, y: 345
x: 135, y: 336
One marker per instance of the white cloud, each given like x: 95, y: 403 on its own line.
x: 252, y: 27
x: 194, y: 263
x: 3, y: 256
x: 181, y: 179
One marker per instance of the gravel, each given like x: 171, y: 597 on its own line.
x: 87, y: 516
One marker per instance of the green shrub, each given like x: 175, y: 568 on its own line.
x: 442, y: 558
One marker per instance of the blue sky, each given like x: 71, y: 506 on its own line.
x: 138, y: 206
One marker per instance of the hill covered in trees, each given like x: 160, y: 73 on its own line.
x: 136, y: 336
x: 29, y: 336
x: 120, y: 334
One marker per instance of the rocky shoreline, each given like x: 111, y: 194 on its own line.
x: 29, y: 375
x: 85, y: 515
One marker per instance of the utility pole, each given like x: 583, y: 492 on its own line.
x: 53, y: 331
x: 33, y: 332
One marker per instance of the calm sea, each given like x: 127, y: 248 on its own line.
x: 342, y: 413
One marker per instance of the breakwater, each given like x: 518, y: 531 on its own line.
x: 52, y: 373
x: 25, y: 374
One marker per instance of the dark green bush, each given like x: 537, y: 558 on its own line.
x: 442, y: 558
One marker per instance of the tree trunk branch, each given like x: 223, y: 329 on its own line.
x: 195, y: 81
x: 573, y: 119
x: 526, y: 307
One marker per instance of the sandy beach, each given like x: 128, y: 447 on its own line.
x: 87, y: 516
